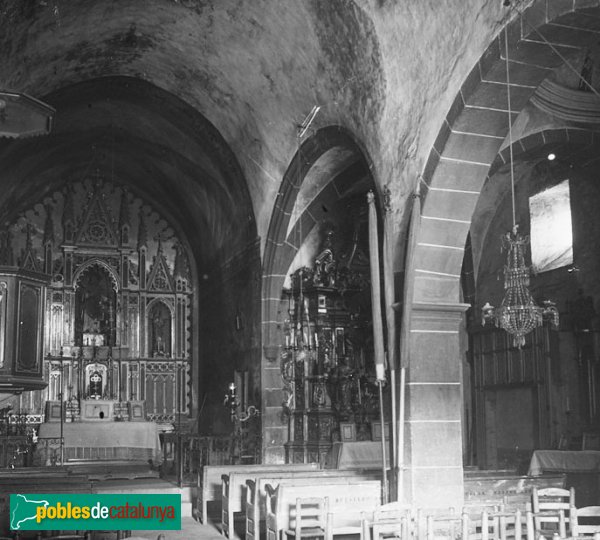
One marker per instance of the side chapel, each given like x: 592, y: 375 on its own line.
x: 117, y: 307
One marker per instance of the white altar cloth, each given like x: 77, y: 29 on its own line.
x: 106, y: 440
x: 356, y: 455
x: 568, y: 461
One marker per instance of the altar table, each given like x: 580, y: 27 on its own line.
x: 356, y: 455
x: 137, y: 441
x: 569, y: 461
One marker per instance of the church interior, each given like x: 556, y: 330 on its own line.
x: 352, y: 235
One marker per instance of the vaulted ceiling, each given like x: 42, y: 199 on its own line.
x: 195, y: 103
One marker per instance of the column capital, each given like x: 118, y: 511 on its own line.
x: 436, y: 316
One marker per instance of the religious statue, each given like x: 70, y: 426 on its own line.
x: 95, y: 386
x: 95, y: 308
x: 340, y: 387
x: 160, y: 330
x: 325, y: 264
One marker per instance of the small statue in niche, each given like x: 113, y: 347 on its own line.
x: 325, y: 264
x: 160, y: 330
x: 95, y: 386
x: 340, y: 387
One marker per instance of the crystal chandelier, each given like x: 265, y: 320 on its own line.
x: 518, y: 314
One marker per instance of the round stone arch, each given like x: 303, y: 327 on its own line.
x: 475, y: 128
x: 284, y: 239
x: 465, y: 149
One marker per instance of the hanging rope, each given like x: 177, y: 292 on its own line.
x: 510, y: 147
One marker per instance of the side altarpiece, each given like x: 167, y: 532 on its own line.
x: 118, y: 308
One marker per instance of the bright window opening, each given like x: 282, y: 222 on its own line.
x: 551, y: 228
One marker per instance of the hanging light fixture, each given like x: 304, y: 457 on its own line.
x: 518, y: 314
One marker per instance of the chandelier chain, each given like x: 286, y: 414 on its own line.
x: 510, y: 146
x: 518, y: 313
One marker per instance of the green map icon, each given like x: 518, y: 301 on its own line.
x: 24, y: 510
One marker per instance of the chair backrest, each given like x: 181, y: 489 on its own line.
x: 585, y: 521
x: 552, y: 498
x: 393, y: 510
x: 271, y: 514
x: 535, y: 524
x: 504, y: 525
x: 392, y: 519
x: 311, y: 512
x: 443, y: 527
x: 493, y: 526
x: 511, y: 525
x: 551, y: 510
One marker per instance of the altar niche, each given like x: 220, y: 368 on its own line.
x: 95, y: 313
x: 159, y: 330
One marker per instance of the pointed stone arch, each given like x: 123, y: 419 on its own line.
x: 284, y: 239
x: 467, y: 145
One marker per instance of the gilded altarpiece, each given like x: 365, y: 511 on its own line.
x: 118, y: 307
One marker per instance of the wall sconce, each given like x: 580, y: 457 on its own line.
x: 231, y: 400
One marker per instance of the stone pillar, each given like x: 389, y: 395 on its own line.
x: 274, y: 430
x: 433, y: 472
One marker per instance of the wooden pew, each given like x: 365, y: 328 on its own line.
x: 32, y: 485
x: 511, y: 491
x: 57, y: 472
x: 209, y: 480
x: 350, y: 502
x: 44, y: 480
x: 256, y: 494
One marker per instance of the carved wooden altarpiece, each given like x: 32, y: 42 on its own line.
x: 118, y: 307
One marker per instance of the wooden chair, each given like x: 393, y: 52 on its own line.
x: 585, y: 521
x: 392, y: 520
x: 533, y: 533
x: 443, y: 527
x: 546, y: 504
x: 272, y: 532
x: 477, y: 528
x: 492, y: 526
x: 310, y: 519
